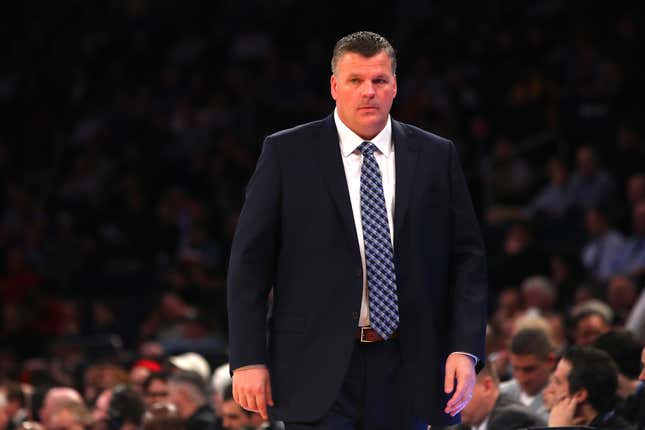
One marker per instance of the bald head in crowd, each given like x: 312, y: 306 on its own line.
x: 54, y: 399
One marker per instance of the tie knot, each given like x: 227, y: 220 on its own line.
x: 367, y: 148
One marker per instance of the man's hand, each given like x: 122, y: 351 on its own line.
x: 462, y: 368
x: 252, y: 390
x: 563, y: 412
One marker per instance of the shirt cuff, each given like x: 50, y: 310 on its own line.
x: 474, y: 357
x: 250, y: 366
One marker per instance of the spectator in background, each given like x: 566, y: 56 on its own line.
x: 220, y: 381
x: 588, y: 325
x: 236, y: 418
x: 155, y: 388
x: 539, y: 294
x: 192, y: 362
x: 621, y: 297
x: 162, y: 416
x: 625, y: 350
x: 635, y: 189
x: 554, y: 199
x: 519, y: 257
x: 140, y: 371
x: 53, y: 399
x: 507, y: 175
x: 16, y: 406
x: 494, y: 410
x: 584, y: 385
x: 187, y: 391
x: 4, y: 417
x: 126, y: 409
x: 630, y: 260
x: 532, y: 359
x: 603, y: 246
x: 69, y: 416
x: 590, y: 185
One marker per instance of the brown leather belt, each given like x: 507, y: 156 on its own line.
x: 369, y: 335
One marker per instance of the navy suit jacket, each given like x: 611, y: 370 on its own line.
x: 296, y: 234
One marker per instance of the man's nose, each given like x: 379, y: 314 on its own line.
x: 368, y: 89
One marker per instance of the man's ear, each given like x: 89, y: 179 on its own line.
x: 581, y: 395
x: 332, y: 86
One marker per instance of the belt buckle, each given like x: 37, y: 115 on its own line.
x: 363, y: 340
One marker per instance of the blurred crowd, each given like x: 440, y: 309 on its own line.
x: 130, y: 129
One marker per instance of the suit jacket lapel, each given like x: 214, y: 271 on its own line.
x: 331, y: 164
x: 405, y: 151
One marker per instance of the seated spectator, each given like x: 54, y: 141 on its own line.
x: 53, y: 399
x: 625, y: 350
x: 192, y: 362
x: 630, y: 260
x: 539, y: 293
x: 155, y: 388
x: 589, y: 320
x: 532, y: 358
x: 636, y: 189
x: 16, y: 406
x: 220, y: 381
x: 583, y: 386
x: 520, y: 257
x: 603, y: 246
x: 554, y: 199
x: 126, y: 409
x: 140, y: 371
x: 621, y: 297
x: 69, y: 416
x: 187, y: 391
x: 492, y: 410
x: 236, y: 418
x: 590, y: 185
x: 162, y: 416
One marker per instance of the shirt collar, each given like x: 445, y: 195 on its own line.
x: 349, y: 140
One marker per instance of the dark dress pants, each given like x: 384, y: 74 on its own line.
x: 371, y: 396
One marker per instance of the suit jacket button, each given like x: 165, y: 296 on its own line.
x: 355, y: 316
x: 359, y: 273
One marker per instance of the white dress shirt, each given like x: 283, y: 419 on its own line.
x: 352, y: 162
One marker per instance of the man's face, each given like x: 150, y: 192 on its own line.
x: 233, y: 418
x: 558, y: 387
x: 157, y: 392
x: 588, y: 329
x: 531, y: 373
x: 364, y: 89
x: 63, y: 420
x: 480, y: 404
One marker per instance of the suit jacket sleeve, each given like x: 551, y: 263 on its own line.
x: 251, y: 270
x: 469, y: 268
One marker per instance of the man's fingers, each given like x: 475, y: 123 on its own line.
x: 450, y: 378
x: 458, y: 407
x: 251, y: 404
x: 260, y: 401
x: 460, y: 392
x: 269, y: 393
x: 236, y: 394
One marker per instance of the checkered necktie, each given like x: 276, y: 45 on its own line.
x: 379, y: 258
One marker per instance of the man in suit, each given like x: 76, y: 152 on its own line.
x: 363, y: 228
x: 532, y: 360
x: 490, y: 410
